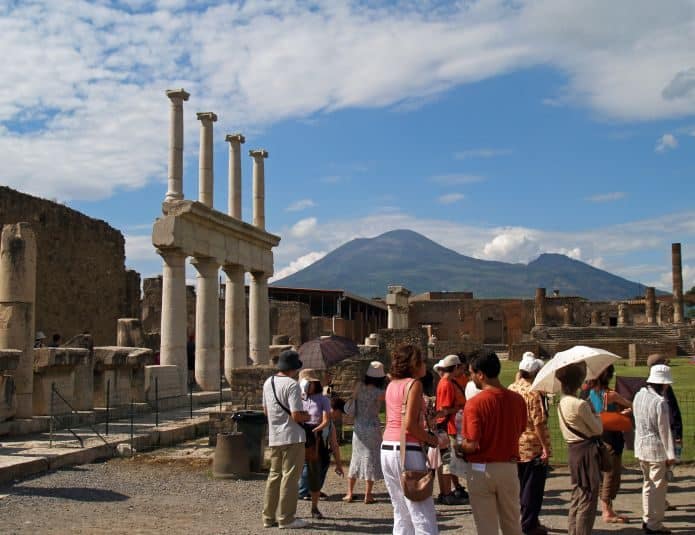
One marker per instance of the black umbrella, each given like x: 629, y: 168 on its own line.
x: 324, y: 352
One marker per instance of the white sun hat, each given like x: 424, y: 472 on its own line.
x: 660, y: 374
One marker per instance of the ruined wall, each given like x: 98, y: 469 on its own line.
x: 292, y: 319
x: 81, y: 275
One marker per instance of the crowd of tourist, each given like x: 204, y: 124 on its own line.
x: 496, y: 438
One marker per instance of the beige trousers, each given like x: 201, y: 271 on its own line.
x: 653, y: 493
x: 282, y: 487
x: 494, y: 497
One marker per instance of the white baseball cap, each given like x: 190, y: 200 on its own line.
x: 376, y: 370
x: 449, y: 360
x: 660, y: 374
x: 529, y: 363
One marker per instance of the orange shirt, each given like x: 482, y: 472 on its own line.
x: 450, y: 393
x: 495, y: 418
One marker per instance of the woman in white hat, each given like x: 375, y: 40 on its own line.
x: 654, y: 446
x: 367, y: 399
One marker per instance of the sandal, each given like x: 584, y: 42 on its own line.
x: 617, y: 519
x: 369, y: 500
x: 348, y: 498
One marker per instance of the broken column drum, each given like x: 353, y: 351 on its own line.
x: 650, y: 305
x: 539, y: 307
x: 677, y: 272
x: 17, y: 298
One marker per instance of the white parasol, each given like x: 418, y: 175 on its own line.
x: 596, y: 360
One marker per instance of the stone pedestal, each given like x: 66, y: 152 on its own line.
x: 17, y: 298
x: 207, y: 331
x: 539, y: 307
x: 167, y: 381
x: 259, y: 319
x: 123, y: 370
x: 56, y: 366
x: 397, y: 303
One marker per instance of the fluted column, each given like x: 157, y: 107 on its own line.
x: 259, y: 187
x: 175, y: 182
x: 17, y: 306
x: 234, y: 205
x: 205, y: 174
x: 173, y: 327
x: 539, y: 307
x: 236, y: 346
x: 650, y: 305
x: 259, y: 319
x: 207, y: 326
x: 677, y: 282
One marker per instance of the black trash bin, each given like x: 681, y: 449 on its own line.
x: 252, y: 424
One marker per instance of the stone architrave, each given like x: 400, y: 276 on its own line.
x: 677, y: 271
x: 539, y: 307
x: 17, y: 300
x: 259, y: 319
x: 236, y: 344
x: 207, y: 331
x: 205, y: 170
x: 175, y: 183
x: 234, y: 204
x: 650, y: 305
x: 173, y: 328
x: 259, y: 187
x: 398, y: 307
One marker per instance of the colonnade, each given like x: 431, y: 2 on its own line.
x: 214, y: 241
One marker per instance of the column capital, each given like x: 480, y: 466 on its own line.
x: 258, y: 153
x: 206, y: 116
x: 260, y: 275
x: 171, y: 254
x: 205, y: 265
x: 178, y: 94
x: 235, y: 138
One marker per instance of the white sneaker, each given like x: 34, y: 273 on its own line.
x: 298, y: 523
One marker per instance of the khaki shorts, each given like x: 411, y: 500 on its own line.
x: 446, y: 455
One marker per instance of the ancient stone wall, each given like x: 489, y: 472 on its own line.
x: 389, y: 339
x: 292, y: 319
x: 81, y: 276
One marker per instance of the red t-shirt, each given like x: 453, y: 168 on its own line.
x: 495, y: 418
x: 449, y: 395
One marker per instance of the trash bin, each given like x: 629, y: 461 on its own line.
x: 252, y: 424
x: 231, y: 460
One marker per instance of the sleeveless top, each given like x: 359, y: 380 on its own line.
x: 394, y: 400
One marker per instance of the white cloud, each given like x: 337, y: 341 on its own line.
x: 456, y: 179
x: 481, y: 153
x: 82, y: 110
x: 512, y: 245
x: 299, y: 264
x: 304, y: 227
x: 451, y: 198
x: 666, y: 142
x: 300, y: 205
x: 606, y: 197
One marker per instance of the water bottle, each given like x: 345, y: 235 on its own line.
x: 678, y: 449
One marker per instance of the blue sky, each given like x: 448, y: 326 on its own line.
x: 501, y: 130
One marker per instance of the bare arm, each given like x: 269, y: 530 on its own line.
x: 324, y: 422
x: 413, y: 410
x: 300, y: 416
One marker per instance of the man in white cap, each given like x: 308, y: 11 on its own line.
x: 534, y: 446
x: 450, y: 400
x: 654, y: 445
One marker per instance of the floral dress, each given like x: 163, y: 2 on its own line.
x: 365, y: 462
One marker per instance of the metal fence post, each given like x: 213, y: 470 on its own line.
x: 132, y: 432
x: 108, y: 404
x: 190, y: 397
x: 156, y: 401
x: 50, y: 420
x: 220, y: 395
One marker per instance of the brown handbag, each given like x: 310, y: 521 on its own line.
x: 417, y: 485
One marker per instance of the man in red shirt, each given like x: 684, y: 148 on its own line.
x: 492, y: 424
x: 449, y: 402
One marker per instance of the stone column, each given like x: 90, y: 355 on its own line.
x: 173, y: 328
x: 258, y: 187
x: 175, y: 184
x: 259, y: 319
x: 677, y: 283
x: 207, y: 324
x: 567, y: 315
x: 234, y: 205
x: 539, y: 307
x: 17, y: 298
x: 397, y: 303
x: 205, y: 174
x: 236, y: 345
x: 650, y: 305
x: 622, y: 315
x: 595, y: 318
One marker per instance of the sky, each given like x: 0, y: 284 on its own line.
x: 500, y: 129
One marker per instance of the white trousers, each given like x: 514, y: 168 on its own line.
x: 653, y: 493
x: 409, y: 518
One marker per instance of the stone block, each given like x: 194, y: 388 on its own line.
x: 168, y: 381
x: 9, y: 359
x: 8, y: 398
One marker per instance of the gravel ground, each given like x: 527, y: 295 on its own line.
x: 172, y: 491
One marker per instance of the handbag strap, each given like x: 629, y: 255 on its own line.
x: 403, y: 409
x: 272, y: 383
x: 569, y: 427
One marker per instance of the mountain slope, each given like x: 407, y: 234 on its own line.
x: 367, y: 266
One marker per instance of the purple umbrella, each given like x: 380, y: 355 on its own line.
x: 324, y: 352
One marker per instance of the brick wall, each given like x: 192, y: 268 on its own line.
x: 81, y: 276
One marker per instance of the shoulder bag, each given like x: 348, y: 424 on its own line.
x: 417, y: 485
x: 605, y: 460
x: 614, y: 420
x: 310, y: 444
